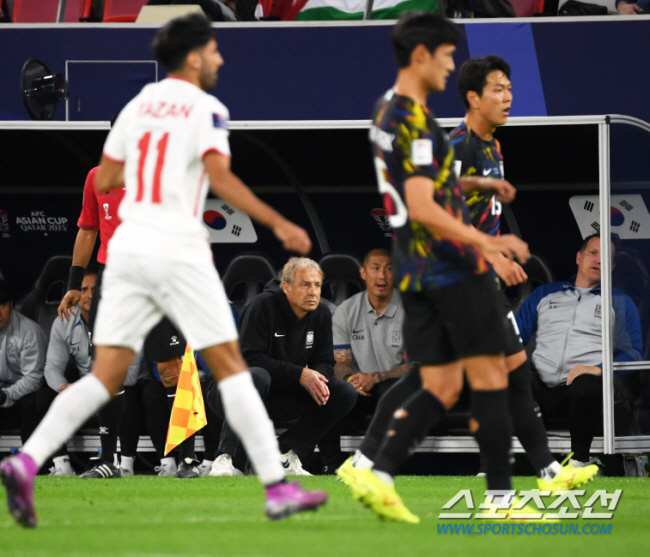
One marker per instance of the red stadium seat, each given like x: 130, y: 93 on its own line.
x: 44, y: 11
x: 527, y: 8
x: 120, y: 11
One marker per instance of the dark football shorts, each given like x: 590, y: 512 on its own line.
x: 465, y: 319
x: 514, y: 345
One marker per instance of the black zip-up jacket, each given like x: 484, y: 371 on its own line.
x: 272, y: 337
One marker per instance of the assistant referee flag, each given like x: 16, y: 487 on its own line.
x: 188, y: 410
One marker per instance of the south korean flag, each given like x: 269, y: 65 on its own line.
x: 226, y: 224
x: 628, y: 213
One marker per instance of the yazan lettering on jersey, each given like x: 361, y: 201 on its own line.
x: 162, y: 109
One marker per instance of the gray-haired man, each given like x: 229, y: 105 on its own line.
x: 286, y: 338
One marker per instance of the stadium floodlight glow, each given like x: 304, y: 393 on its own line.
x: 42, y: 90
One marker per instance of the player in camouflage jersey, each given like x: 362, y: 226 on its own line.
x: 485, y: 88
x: 481, y: 164
x: 440, y: 268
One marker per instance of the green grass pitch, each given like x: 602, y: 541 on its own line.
x: 148, y: 516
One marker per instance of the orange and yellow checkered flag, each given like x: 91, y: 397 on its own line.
x: 188, y: 411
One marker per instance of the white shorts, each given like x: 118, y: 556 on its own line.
x: 137, y: 291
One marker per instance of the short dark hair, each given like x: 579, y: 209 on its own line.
x: 472, y: 75
x: 6, y: 295
x: 379, y: 252
x: 91, y: 270
x: 175, y: 40
x: 616, y: 240
x: 426, y: 28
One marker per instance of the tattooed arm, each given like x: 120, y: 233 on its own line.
x: 394, y: 373
x: 344, y: 366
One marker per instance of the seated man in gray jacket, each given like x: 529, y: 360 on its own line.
x: 67, y: 353
x: 567, y: 319
x: 69, y: 356
x: 22, y: 358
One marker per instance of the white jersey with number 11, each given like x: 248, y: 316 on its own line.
x: 161, y: 136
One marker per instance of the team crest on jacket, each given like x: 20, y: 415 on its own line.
x: 310, y: 339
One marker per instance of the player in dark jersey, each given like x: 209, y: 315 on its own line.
x: 449, y: 297
x: 485, y: 88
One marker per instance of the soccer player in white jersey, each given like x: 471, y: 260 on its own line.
x: 168, y: 145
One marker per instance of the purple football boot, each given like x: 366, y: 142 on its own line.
x: 17, y: 475
x: 285, y: 499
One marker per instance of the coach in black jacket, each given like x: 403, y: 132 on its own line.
x: 286, y: 338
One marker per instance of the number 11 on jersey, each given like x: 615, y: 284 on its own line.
x: 143, y: 148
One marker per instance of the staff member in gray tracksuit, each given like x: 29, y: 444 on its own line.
x: 70, y: 347
x: 567, y: 317
x: 69, y: 343
x: 70, y: 339
x: 22, y: 357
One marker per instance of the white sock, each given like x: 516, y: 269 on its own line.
x: 62, y: 463
x: 360, y: 461
x: 168, y: 462
x: 207, y: 463
x: 67, y: 413
x: 126, y: 463
x: 247, y: 417
x: 577, y: 463
x: 551, y: 471
x: 384, y: 477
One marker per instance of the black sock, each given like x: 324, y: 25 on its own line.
x: 131, y: 421
x: 489, y: 410
x: 156, y: 414
x: 284, y: 448
x: 527, y: 418
x: 110, y: 417
x: 410, y: 423
x: 186, y: 449
x: 407, y: 386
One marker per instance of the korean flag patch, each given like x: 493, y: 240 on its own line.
x: 422, y: 152
x: 219, y: 121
